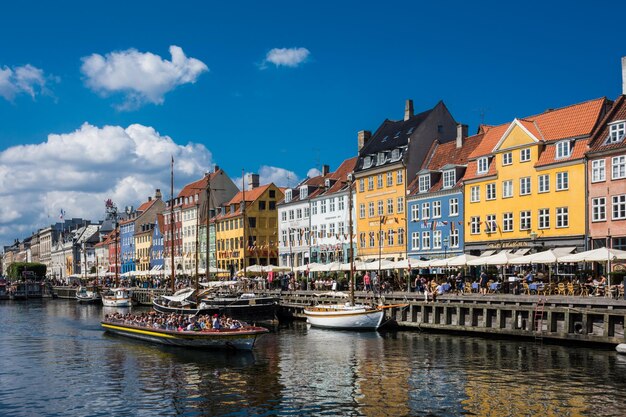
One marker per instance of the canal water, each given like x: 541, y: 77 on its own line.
x: 55, y: 360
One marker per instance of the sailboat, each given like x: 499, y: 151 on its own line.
x: 347, y: 316
x: 118, y: 296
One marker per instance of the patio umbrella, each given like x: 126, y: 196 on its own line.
x: 461, y: 260
x: 501, y: 258
x: 597, y: 255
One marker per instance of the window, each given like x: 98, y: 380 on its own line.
x: 304, y: 191
x: 283, y: 216
x: 379, y: 181
x: 372, y: 240
x: 491, y: 224
x: 323, y: 207
x: 454, y: 238
x: 362, y: 185
x: 524, y: 155
x: 399, y: 176
x: 371, y: 209
x: 287, y: 196
x: 425, y: 240
x: 507, y: 222
x: 544, y: 183
x: 544, y: 218
x: 562, y: 181
x: 563, y: 149
x: 507, y: 188
x: 400, y: 207
x: 341, y: 229
x: 475, y: 225
x: 491, y: 191
x: 381, y: 158
x: 449, y: 178
x: 370, y: 183
x: 415, y: 240
x: 424, y: 183
x: 314, y: 208
x: 616, y: 132
x: 362, y: 240
x: 331, y: 229
x: 415, y: 212
x: 524, y: 186
x: 598, y: 209
x: 483, y: 165
x: 475, y: 194
x: 524, y: 220
x: 425, y: 210
x: 436, y: 209
x: 562, y: 217
x: 598, y: 171
x: 400, y: 236
x: 331, y: 205
x: 395, y: 154
x: 454, y: 207
x: 437, y: 239
x: 298, y: 213
x: 323, y: 230
x: 390, y: 237
x: 619, y: 207
x: 290, y: 214
x: 507, y: 158
x: 619, y: 167
x: 367, y: 162
x: 390, y: 206
x: 389, y: 179
x: 381, y: 208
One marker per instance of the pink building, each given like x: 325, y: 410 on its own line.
x: 606, y: 173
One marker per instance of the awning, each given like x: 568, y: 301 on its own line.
x: 521, y: 251
x: 487, y: 253
x: 180, y: 295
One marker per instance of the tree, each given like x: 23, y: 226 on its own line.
x: 20, y: 270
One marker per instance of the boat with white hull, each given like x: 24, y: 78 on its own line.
x: 85, y: 296
x: 345, y: 316
x: 117, y: 297
x: 243, y: 338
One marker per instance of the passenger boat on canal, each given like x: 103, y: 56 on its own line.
x: 242, y: 338
x: 86, y: 296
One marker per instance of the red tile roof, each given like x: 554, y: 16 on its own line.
x: 600, y: 135
x: 548, y: 155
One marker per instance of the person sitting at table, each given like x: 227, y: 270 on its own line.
x: 529, y: 277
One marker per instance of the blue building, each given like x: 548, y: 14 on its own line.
x: 127, y: 244
x: 435, y: 201
x: 156, y: 250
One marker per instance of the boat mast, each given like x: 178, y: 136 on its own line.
x: 243, y: 213
x: 208, y: 224
x: 197, y: 244
x: 172, y: 225
x: 350, y: 249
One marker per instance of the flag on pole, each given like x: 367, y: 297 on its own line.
x: 62, y: 214
x: 434, y: 225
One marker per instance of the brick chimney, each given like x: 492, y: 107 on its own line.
x: 461, y: 134
x: 363, y: 137
x: 408, y: 109
x: 253, y: 181
x: 325, y: 170
x: 157, y: 194
x: 217, y: 168
x: 624, y: 75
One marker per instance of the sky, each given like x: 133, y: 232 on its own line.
x: 97, y: 97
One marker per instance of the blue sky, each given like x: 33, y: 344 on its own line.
x: 359, y: 62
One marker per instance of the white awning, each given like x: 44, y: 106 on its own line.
x: 487, y: 253
x: 180, y: 296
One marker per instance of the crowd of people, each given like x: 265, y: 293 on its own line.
x: 176, y: 322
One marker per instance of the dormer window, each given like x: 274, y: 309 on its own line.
x: 327, y: 183
x: 287, y: 196
x: 395, y: 154
x: 304, y: 192
x: 617, y: 131
x: 563, y: 149
x: 367, y: 162
x: 483, y: 165
x: 449, y: 178
x: 381, y: 158
x: 424, y: 183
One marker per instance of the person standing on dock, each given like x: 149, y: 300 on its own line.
x: 483, y: 282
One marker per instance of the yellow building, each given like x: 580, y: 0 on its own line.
x: 387, y: 161
x: 525, y: 183
x: 237, y: 246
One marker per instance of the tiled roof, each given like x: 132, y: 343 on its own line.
x: 490, y: 139
x: 471, y: 173
x: 600, y: 135
x: 548, y: 155
x: 393, y: 134
x: 251, y: 196
x: 341, y: 175
x: 145, y: 206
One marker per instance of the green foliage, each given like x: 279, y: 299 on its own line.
x: 16, y: 269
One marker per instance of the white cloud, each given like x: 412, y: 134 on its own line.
x: 22, y: 80
x: 279, y: 176
x: 287, y: 57
x: 78, y: 171
x: 142, y: 77
x: 313, y: 172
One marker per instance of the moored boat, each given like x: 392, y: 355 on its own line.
x: 117, y: 297
x: 242, y: 338
x: 86, y: 296
x: 345, y: 316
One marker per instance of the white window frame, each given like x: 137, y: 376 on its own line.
x: 362, y: 185
x: 618, y: 167
x: 400, y: 203
x: 424, y: 183
x: 399, y: 177
x: 362, y: 211
x: 425, y: 211
x: 562, y: 217
x: 543, y: 183
x: 507, y: 189
x: 598, y: 170
x: 389, y: 179
x: 562, y: 181
x: 563, y: 149
x: 522, y: 186
x: 524, y: 155
x: 370, y: 183
x: 379, y: 181
x: 482, y: 165
x: 617, y: 130
x: 415, y: 240
x: 475, y: 225
x: 543, y: 218
x: 454, y: 238
x: 490, y: 191
x: 449, y: 178
x: 381, y: 207
x: 415, y: 212
x: 436, y: 207
x: 371, y: 211
x: 507, y: 158
x: 425, y: 240
x: 507, y: 222
x: 437, y: 239
x: 475, y: 194
x: 618, y: 207
x: 598, y: 209
x: 491, y: 223
x: 525, y: 222
x: 390, y: 206
x: 453, y: 208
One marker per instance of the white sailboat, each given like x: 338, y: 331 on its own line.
x: 117, y: 297
x: 347, y: 316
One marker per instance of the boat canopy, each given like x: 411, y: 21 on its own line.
x: 180, y: 295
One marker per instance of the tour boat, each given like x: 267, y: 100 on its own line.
x: 242, y: 338
x: 85, y: 296
x: 117, y: 297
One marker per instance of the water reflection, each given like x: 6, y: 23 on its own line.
x: 57, y: 361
